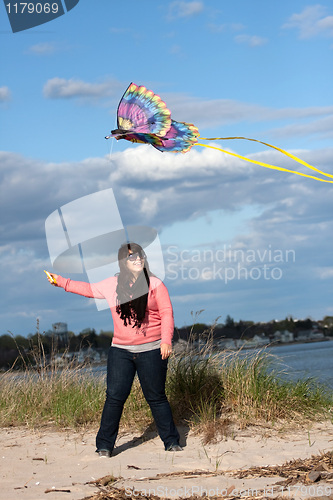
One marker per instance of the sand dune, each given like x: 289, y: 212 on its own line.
x: 57, y: 465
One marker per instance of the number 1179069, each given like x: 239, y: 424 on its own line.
x: 308, y: 491
x: 32, y: 8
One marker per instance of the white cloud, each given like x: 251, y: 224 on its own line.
x: 117, y: 30
x: 217, y: 28
x: 177, y: 185
x: 322, y: 127
x: 5, y: 94
x: 159, y: 190
x: 43, y: 48
x: 237, y: 26
x: 180, y: 9
x: 60, y: 88
x: 311, y: 22
x: 324, y: 273
x: 251, y: 40
x: 147, y: 165
x: 175, y: 50
x: 225, y: 111
x: 220, y: 28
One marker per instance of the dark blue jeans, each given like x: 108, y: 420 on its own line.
x: 121, y: 369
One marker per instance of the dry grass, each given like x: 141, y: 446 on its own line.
x: 206, y: 389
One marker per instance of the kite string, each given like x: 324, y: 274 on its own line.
x: 111, y: 150
x: 267, y: 165
x: 112, y: 144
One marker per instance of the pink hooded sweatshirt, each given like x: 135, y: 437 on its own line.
x: 158, y: 323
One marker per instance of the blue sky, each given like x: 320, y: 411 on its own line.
x: 232, y: 68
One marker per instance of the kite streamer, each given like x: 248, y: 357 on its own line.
x: 143, y: 117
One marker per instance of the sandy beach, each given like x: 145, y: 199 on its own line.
x: 52, y: 465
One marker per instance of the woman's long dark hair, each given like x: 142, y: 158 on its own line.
x: 132, y: 296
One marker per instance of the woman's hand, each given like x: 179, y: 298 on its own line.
x: 166, y: 350
x: 53, y: 279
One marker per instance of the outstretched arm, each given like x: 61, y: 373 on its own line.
x: 78, y: 287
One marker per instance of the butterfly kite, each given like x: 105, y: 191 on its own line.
x: 143, y: 117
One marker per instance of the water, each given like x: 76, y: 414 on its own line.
x: 298, y: 361
x: 313, y: 360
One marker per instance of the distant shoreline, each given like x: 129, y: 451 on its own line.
x: 261, y: 346
x: 294, y: 342
x: 310, y: 341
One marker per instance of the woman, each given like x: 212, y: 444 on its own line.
x: 143, y: 329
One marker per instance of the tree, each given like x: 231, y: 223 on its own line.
x: 7, y: 342
x: 88, y: 338
x: 103, y: 340
x: 229, y: 322
x: 22, y: 342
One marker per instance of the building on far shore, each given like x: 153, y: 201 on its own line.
x: 306, y: 335
x: 60, y: 332
x: 285, y: 336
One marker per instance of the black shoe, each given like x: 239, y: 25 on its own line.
x: 175, y: 447
x: 104, y: 454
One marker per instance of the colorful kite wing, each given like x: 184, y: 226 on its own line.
x: 180, y: 138
x: 143, y: 112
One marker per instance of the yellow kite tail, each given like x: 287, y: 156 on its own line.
x: 267, y: 165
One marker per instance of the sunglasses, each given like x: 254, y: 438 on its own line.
x: 133, y: 256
